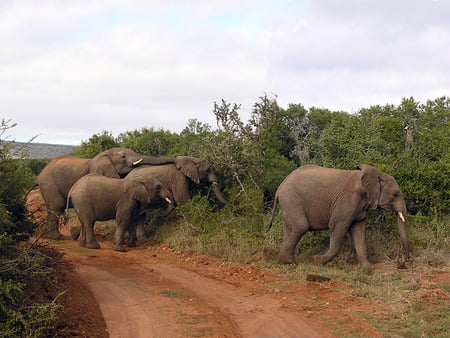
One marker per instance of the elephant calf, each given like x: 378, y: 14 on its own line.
x: 100, y: 198
x: 177, y: 177
x: 316, y: 198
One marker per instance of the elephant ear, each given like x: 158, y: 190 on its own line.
x: 188, y: 166
x: 137, y: 190
x: 371, y: 182
x: 103, y: 165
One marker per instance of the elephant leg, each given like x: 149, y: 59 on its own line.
x: 140, y: 228
x: 88, y: 232
x: 293, y: 231
x: 82, y: 236
x: 336, y: 238
x: 75, y: 232
x: 132, y: 236
x: 119, y: 237
x: 358, y: 235
x: 50, y: 229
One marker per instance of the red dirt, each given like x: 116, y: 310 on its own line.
x: 155, y: 291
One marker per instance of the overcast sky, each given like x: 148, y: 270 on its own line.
x: 70, y: 69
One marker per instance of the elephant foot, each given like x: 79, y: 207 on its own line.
x: 366, y: 264
x: 119, y: 248
x: 286, y: 259
x: 93, y: 245
x: 142, y: 238
x: 132, y: 244
x: 75, y: 232
x: 320, y: 260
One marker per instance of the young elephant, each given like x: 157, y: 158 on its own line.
x: 177, y: 177
x: 315, y: 198
x: 100, y: 198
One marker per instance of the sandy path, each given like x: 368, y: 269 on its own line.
x: 140, y: 296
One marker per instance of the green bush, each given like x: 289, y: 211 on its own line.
x: 26, y: 271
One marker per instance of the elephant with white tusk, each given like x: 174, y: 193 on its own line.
x: 58, y: 176
x: 100, y: 198
x: 177, y: 177
x: 315, y: 198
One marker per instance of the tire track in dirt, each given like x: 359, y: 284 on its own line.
x: 142, y: 297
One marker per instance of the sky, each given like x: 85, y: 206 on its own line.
x: 74, y: 68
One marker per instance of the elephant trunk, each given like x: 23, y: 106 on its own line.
x: 402, y: 230
x: 213, y: 180
x: 154, y: 160
x: 218, y: 193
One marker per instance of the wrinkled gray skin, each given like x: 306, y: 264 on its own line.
x: 58, y: 176
x: 100, y: 198
x: 176, y: 178
x: 316, y: 198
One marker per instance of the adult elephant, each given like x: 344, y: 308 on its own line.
x: 58, y: 176
x: 100, y: 198
x: 316, y: 198
x: 177, y: 177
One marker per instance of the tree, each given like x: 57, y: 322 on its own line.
x: 96, y: 144
x: 16, y: 178
x: 149, y: 141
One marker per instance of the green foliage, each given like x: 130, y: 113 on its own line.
x: 96, y: 144
x: 199, y: 226
x: 24, y: 270
x: 339, y: 144
x: 251, y: 154
x: 25, y: 273
x: 36, y: 165
x: 150, y: 142
x: 16, y: 178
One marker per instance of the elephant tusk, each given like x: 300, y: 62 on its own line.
x: 167, y: 199
x: 138, y: 161
x: 400, y: 214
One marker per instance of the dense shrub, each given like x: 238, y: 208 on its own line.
x: 25, y: 270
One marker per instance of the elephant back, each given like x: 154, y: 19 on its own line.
x: 163, y: 173
x: 62, y: 172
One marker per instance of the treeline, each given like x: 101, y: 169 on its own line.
x: 410, y: 141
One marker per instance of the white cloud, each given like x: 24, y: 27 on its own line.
x: 69, y: 69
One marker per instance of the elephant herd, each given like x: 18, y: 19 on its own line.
x: 123, y: 185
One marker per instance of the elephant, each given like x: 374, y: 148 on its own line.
x: 316, y: 198
x: 60, y: 174
x: 100, y: 198
x: 176, y: 177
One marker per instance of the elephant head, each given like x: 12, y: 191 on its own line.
x: 118, y: 162
x: 147, y: 191
x: 199, y: 171
x: 383, y: 191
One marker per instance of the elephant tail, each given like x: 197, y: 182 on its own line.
x: 31, y: 189
x: 68, y: 205
x: 274, y: 208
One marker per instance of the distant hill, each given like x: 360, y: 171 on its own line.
x: 40, y: 150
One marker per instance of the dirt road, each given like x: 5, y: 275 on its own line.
x: 142, y: 293
x: 156, y: 292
